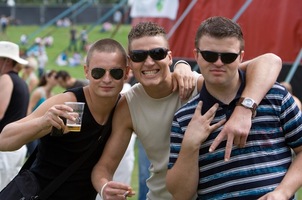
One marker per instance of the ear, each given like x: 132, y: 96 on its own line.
x: 126, y: 73
x: 86, y: 72
x: 129, y: 63
x: 241, y: 55
x: 170, y: 58
x: 195, y: 53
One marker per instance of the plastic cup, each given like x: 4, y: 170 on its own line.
x: 78, y: 109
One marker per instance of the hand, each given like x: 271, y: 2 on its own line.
x: 274, y: 195
x: 54, y: 115
x: 199, y: 127
x: 115, y: 191
x: 235, y: 130
x: 183, y: 80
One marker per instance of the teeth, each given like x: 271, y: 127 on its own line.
x: 150, y: 72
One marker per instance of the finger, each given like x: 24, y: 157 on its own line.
x: 220, y: 137
x: 228, y: 148
x: 186, y: 88
x: 125, y: 195
x: 212, y: 111
x: 198, y: 108
x: 217, y: 125
x: 237, y: 140
x: 181, y: 88
x: 243, y: 141
x: 174, y: 82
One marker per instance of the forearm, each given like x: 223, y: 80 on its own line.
x: 99, y: 177
x: 293, y: 178
x: 182, y: 179
x: 262, y: 72
x: 16, y: 134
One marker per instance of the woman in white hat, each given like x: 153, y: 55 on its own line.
x: 13, y: 106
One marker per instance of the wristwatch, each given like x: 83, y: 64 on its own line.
x: 249, y: 104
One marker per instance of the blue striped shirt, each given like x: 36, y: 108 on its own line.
x: 259, y: 167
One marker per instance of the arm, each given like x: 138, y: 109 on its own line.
x: 183, y: 79
x: 115, y: 148
x: 258, y: 82
x: 291, y: 182
x: 37, y: 124
x: 5, y: 93
x: 182, y: 179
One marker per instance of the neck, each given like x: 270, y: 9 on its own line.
x: 224, y: 93
x: 160, y: 90
x: 99, y: 107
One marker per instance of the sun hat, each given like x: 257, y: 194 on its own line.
x: 11, y: 50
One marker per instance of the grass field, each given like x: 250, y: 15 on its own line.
x: 61, y: 42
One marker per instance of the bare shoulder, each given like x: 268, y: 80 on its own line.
x: 122, y: 117
x: 54, y: 100
x: 5, y: 78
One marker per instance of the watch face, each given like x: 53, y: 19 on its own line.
x: 248, y: 103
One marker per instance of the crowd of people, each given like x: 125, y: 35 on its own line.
x: 228, y: 133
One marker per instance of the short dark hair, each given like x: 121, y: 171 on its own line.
x: 219, y: 27
x: 62, y: 74
x: 143, y: 29
x: 106, y: 45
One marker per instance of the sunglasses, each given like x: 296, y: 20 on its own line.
x: 211, y: 56
x: 155, y: 54
x: 98, y: 73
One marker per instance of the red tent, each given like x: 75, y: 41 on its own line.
x: 268, y: 26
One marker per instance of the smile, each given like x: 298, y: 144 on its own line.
x: 150, y: 72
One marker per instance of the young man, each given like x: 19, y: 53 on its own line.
x: 106, y: 69
x: 148, y: 108
x: 68, y: 82
x: 13, y: 105
x: 263, y: 169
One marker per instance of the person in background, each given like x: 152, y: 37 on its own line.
x: 263, y: 168
x: 38, y: 96
x: 4, y: 21
x: 147, y: 109
x: 72, y: 39
x: 65, y: 80
x: 106, y: 69
x: 83, y: 39
x: 29, y: 73
x: 143, y: 171
x: 289, y: 88
x: 13, y: 106
x: 62, y: 59
x: 42, y: 58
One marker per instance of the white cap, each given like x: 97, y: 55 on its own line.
x: 11, y: 50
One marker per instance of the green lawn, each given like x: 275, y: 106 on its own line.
x: 61, y: 41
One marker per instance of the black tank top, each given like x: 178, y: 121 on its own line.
x: 57, y: 153
x: 17, y: 107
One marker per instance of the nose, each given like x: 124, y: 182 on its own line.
x: 149, y: 60
x: 218, y: 62
x: 107, y: 77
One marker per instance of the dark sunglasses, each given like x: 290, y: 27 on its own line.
x: 155, y: 54
x: 98, y: 73
x: 211, y: 56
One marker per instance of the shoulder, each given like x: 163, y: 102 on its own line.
x: 5, y: 77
